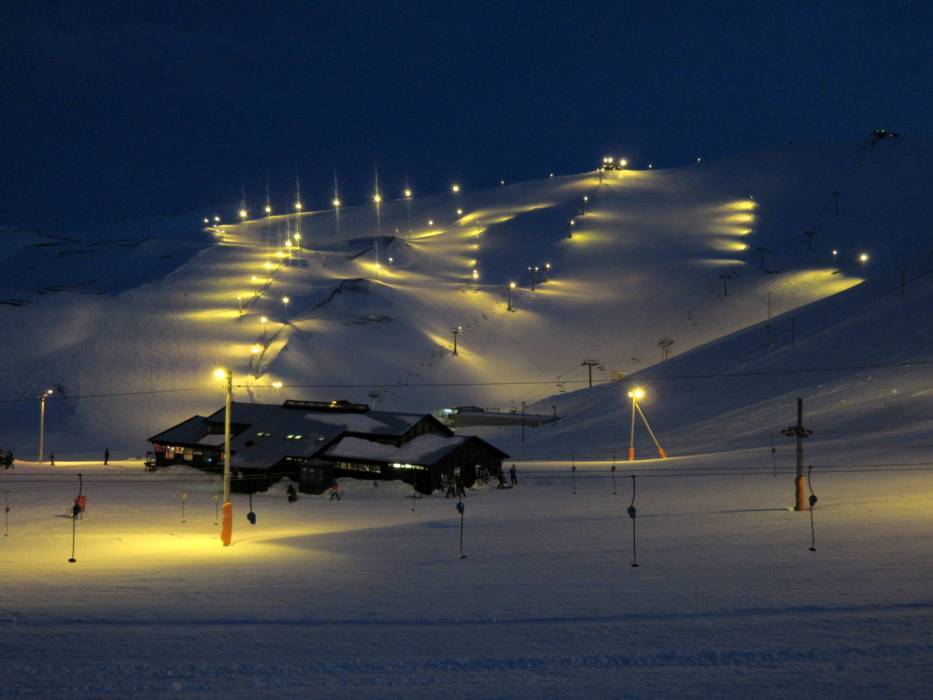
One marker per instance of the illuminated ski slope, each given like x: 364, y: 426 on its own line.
x: 375, y: 291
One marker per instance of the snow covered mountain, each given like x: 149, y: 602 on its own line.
x: 127, y: 325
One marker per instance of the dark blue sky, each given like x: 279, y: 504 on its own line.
x: 116, y: 110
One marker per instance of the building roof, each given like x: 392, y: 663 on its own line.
x: 188, y: 432
x: 424, y: 450
x: 265, y: 434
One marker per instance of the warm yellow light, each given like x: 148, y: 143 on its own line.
x: 297, y: 206
x: 267, y: 265
x: 255, y: 350
x: 455, y: 188
x: 285, y: 300
x: 407, y: 193
x: 430, y: 222
x: 459, y: 212
x: 253, y: 279
x: 622, y: 162
x: 276, y: 385
x: 512, y: 285
x: 835, y: 252
x: 264, y: 319
x: 377, y: 198
x: 297, y: 236
x: 206, y: 220
x: 217, y: 219
x: 221, y: 373
x: 336, y: 203
x: 476, y: 274
x: 268, y: 209
x: 637, y: 394
x: 547, y: 266
x: 243, y: 213
x: 863, y: 258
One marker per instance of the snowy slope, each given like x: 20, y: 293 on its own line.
x: 374, y: 292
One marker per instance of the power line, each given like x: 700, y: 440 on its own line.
x: 523, y: 382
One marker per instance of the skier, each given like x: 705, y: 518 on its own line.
x: 335, y: 491
x: 291, y: 494
x: 106, y: 456
x: 513, y: 476
x: 52, y: 458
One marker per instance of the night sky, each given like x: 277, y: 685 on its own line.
x: 111, y: 111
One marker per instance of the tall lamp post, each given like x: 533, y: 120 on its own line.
x: 509, y: 292
x: 42, y: 397
x: 456, y: 330
x: 863, y: 259
x: 226, y: 531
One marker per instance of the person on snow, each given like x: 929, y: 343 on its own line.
x: 106, y: 456
x: 335, y: 491
x: 52, y: 458
x: 291, y: 494
x: 513, y: 476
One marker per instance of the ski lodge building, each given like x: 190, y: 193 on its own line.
x: 314, y: 442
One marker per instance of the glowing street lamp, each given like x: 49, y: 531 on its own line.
x: 455, y: 188
x: 456, y: 330
x: 226, y: 531
x: 276, y: 385
x: 407, y: 193
x: 336, y: 202
x: 863, y: 259
x: 636, y: 395
x: 285, y: 301
x: 244, y: 214
x: 264, y: 320
x: 475, y: 274
x: 573, y: 222
x: 459, y: 212
x: 509, y: 289
x: 430, y: 222
x: 206, y: 220
x: 216, y: 219
x: 835, y: 256
x: 42, y: 397
x: 377, y: 198
x: 268, y: 209
x: 298, y: 205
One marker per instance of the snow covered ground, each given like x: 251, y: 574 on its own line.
x: 374, y: 293
x: 367, y: 598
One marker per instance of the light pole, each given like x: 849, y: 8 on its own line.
x: 457, y: 330
x: 265, y: 320
x: 42, y: 397
x: 863, y: 259
x: 573, y: 223
x: 509, y: 292
x: 285, y: 301
x: 226, y: 531
x: 835, y: 256
x: 636, y: 395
